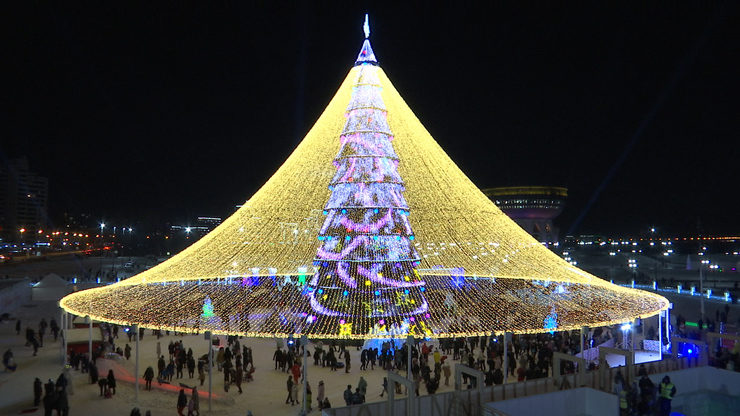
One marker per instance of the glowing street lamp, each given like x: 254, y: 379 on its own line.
x: 102, y: 226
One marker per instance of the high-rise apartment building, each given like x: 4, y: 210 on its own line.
x: 23, y: 200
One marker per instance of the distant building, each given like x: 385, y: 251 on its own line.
x: 201, y: 226
x: 208, y: 222
x: 23, y: 200
x: 532, y: 207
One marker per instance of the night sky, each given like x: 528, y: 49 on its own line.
x: 162, y: 112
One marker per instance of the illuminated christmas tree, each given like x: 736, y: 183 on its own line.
x: 464, y: 269
x: 207, y: 308
x: 367, y: 254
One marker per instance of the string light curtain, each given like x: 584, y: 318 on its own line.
x: 367, y: 230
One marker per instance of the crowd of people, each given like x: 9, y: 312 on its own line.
x: 529, y: 357
x: 721, y: 354
x: 643, y: 397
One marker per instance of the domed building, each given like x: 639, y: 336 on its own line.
x: 532, y: 207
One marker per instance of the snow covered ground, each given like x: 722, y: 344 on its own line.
x: 264, y: 396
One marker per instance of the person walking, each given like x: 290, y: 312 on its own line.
x: 191, y: 366
x: 195, y: 399
x: 50, y: 398
x: 296, y: 370
x: 37, y: 390
x: 69, y: 385
x: 447, y: 372
x: 35, y: 344
x: 348, y: 395
x: 160, y: 365
x: 201, y: 372
x: 290, y: 391
x: 111, y: 382
x: 18, y: 327
x: 238, y: 378
x: 103, y: 384
x: 385, y: 386
x: 182, y: 402
x: 127, y: 351
x: 42, y: 331
x: 54, y: 328
x: 308, y: 405
x: 346, y: 361
x: 62, y: 404
x: 321, y: 395
x: 148, y: 376
x: 93, y: 371
x: 277, y: 356
x: 362, y: 385
x: 8, y: 361
x: 667, y: 392
x: 295, y: 392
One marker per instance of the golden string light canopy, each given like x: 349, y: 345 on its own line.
x: 367, y: 230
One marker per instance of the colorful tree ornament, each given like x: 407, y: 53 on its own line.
x: 207, y: 308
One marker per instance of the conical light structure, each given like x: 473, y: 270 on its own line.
x: 367, y: 230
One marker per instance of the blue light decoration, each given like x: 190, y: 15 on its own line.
x: 551, y: 321
x: 458, y: 277
x: 377, y: 255
x: 686, y: 349
x: 252, y: 280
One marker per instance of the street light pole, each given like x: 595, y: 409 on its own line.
x: 102, y: 226
x: 136, y: 371
x: 210, y: 368
x: 89, y: 336
x: 305, y: 405
x: 409, y: 342
x: 701, y: 289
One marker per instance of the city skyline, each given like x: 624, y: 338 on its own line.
x: 166, y: 114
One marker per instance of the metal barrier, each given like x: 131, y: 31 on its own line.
x: 470, y: 402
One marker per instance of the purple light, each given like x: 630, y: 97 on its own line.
x: 367, y: 228
x: 412, y: 319
x: 341, y: 321
x: 328, y: 255
x: 320, y: 308
x: 427, y: 316
x: 346, y: 278
x: 382, y: 322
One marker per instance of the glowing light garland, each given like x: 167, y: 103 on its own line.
x: 405, y: 244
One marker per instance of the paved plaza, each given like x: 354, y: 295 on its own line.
x: 264, y: 396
